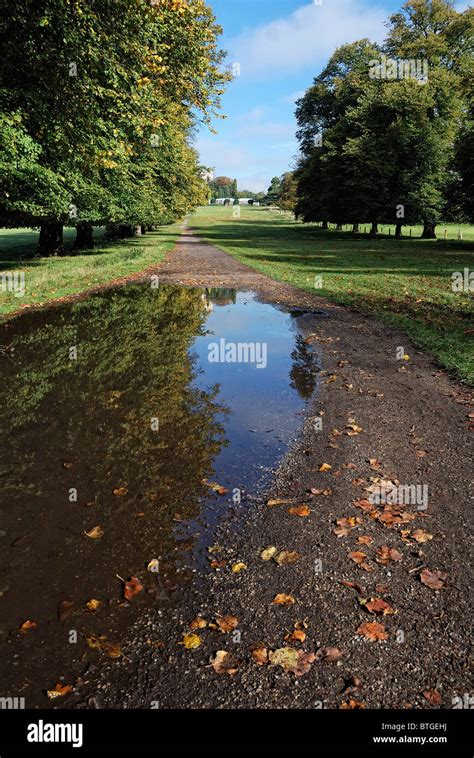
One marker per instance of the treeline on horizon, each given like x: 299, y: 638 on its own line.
x: 386, y: 131
x: 99, y: 100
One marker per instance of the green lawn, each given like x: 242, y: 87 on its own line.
x: 406, y: 283
x: 52, y: 278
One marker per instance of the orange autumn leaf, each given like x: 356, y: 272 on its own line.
x: 433, y: 579
x: 227, y: 623
x: 59, y: 690
x: 260, y: 655
x: 376, y: 605
x: 282, y: 599
x: 132, y: 587
x: 373, y: 631
x: 120, y: 491
x: 27, y: 626
x: 299, y: 510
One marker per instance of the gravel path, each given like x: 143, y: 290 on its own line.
x: 408, y: 422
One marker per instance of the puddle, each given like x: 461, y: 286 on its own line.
x: 120, y: 393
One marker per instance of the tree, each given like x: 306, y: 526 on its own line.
x: 273, y: 192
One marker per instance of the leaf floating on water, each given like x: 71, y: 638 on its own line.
x: 282, y: 599
x: 132, y: 587
x: 215, y: 487
x: 191, y: 641
x: 93, y: 604
x: 300, y: 510
x: 95, y: 533
x: 120, y: 491
x: 59, y: 690
x: 268, y: 553
x: 224, y: 663
x: 237, y: 567
x: 373, y: 631
x: 27, y: 626
x: 433, y: 579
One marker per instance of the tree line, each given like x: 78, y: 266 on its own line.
x: 386, y: 131
x: 99, y: 100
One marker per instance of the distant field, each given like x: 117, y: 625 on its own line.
x: 51, y: 278
x: 406, y: 283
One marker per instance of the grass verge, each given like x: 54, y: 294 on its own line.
x: 406, y: 283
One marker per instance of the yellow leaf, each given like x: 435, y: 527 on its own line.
x: 268, y: 553
x: 238, y: 567
x: 325, y: 467
x: 59, y: 691
x: 93, y: 605
x: 191, y: 641
x: 282, y: 599
x: 95, y: 534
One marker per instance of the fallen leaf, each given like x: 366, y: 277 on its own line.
x: 329, y: 654
x: 286, y: 556
x: 325, y: 467
x: 421, y: 536
x: 297, y: 635
x: 191, y: 641
x: 282, y: 599
x: 433, y: 697
x: 351, y: 705
x: 59, y: 690
x: 341, y: 531
x: 227, y: 623
x: 373, y: 631
x: 300, y: 510
x: 357, y: 556
x: 93, y: 604
x: 365, y: 505
x: 132, y: 587
x: 154, y: 566
x: 96, y: 643
x: 198, y: 623
x: 260, y: 655
x: 67, y: 465
x: 295, y: 661
x: 268, y: 553
x: 278, y: 501
x: 215, y: 487
x: 224, y: 663
x: 353, y: 586
x: 350, y: 521
x: 353, y: 429
x: 95, y: 533
x: 113, y: 650
x: 218, y: 564
x: 27, y: 626
x: 238, y: 567
x: 421, y: 453
x: 358, y: 482
x: 365, y: 539
x: 386, y: 555
x: 376, y: 605
x: 65, y: 608
x: 433, y: 579
x: 120, y: 491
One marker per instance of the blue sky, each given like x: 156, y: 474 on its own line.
x: 280, y: 46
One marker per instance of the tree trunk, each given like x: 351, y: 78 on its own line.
x: 373, y: 229
x: 355, y: 228
x: 143, y: 229
x: 51, y: 239
x: 325, y: 225
x: 429, y: 230
x: 398, y: 230
x: 84, y: 233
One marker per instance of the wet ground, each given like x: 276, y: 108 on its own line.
x: 117, y: 419
x: 363, y: 414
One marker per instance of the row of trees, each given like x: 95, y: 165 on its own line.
x: 392, y: 150
x: 98, y: 103
x: 224, y: 187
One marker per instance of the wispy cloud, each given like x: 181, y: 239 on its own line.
x: 307, y: 36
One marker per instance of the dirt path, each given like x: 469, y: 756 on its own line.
x: 382, y: 418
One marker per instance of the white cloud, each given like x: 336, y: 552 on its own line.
x: 307, y: 36
x: 293, y: 97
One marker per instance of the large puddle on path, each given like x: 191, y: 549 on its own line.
x: 115, y: 412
